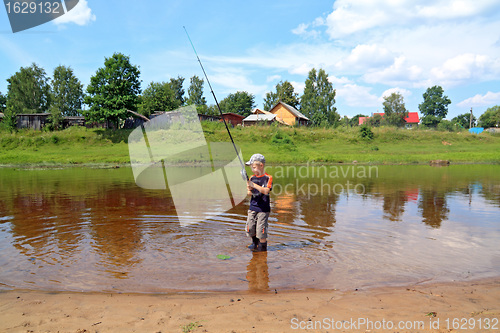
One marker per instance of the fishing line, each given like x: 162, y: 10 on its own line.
x: 243, y: 171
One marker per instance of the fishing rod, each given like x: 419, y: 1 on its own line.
x: 243, y: 171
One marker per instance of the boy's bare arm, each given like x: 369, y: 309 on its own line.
x: 249, y: 188
x: 263, y: 190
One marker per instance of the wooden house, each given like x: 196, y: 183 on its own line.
x: 35, y: 121
x: 259, y: 111
x: 233, y: 118
x: 288, y: 114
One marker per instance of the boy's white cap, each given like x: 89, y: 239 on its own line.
x: 256, y: 158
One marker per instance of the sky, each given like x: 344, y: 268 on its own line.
x: 369, y: 48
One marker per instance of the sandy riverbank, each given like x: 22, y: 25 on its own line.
x: 459, y: 304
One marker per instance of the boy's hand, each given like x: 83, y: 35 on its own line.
x: 250, y: 185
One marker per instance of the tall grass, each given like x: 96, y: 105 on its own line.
x: 280, y: 144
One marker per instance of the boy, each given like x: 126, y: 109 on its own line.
x: 258, y: 186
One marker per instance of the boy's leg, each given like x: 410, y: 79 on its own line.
x: 251, y: 227
x: 262, y: 226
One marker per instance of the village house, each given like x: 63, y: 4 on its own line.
x: 262, y: 118
x: 281, y: 112
x: 233, y: 118
x: 288, y: 114
x: 412, y: 120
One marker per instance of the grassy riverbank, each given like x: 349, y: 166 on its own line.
x: 281, y: 145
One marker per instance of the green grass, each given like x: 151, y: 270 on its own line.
x: 280, y: 145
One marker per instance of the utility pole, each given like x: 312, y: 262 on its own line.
x: 470, y: 119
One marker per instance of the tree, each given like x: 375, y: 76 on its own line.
x: 374, y: 121
x: 67, y: 91
x: 3, y: 102
x: 195, y: 94
x: 491, y: 117
x: 113, y: 89
x: 434, y: 107
x: 395, y: 110
x: 318, y: 99
x: 285, y: 93
x: 464, y: 120
x: 176, y: 86
x: 158, y: 96
x: 28, y: 91
x: 241, y: 103
x: 354, y: 121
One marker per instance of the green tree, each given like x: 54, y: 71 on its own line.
x: 447, y: 125
x: 395, y: 110
x: 3, y: 102
x: 28, y: 91
x: 158, y: 96
x: 434, y: 107
x: 318, y: 100
x: 374, y: 121
x: 195, y: 95
x: 464, y: 120
x: 241, y: 103
x: 113, y: 89
x: 285, y: 93
x: 67, y: 96
x: 176, y: 86
x: 67, y: 91
x: 491, y: 117
x: 354, y: 121
x: 212, y: 110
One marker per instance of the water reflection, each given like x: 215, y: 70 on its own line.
x: 258, y: 272
x: 94, y: 230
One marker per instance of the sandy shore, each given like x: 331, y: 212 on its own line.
x: 455, y: 306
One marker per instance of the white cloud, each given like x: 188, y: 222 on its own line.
x: 273, y: 78
x: 388, y: 92
x: 302, y: 69
x: 454, y: 9
x: 354, y: 16
x: 301, y: 29
x: 400, y: 72
x: 467, y: 67
x: 236, y: 80
x: 81, y: 14
x: 488, y: 99
x: 355, y: 95
x: 298, y: 87
x: 364, y: 57
x: 338, y: 80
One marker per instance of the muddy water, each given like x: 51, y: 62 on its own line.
x: 342, y: 227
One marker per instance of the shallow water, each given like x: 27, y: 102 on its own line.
x: 83, y: 229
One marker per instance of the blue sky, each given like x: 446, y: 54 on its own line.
x: 369, y: 48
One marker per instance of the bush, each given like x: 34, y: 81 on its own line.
x: 283, y: 141
x: 446, y: 125
x: 366, y: 132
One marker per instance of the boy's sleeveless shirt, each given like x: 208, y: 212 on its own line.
x: 260, y: 202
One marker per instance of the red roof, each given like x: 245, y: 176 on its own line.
x: 411, y: 119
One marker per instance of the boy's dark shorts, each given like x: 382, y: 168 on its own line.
x: 257, y: 224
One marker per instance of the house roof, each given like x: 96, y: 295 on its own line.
x: 292, y: 110
x: 260, y: 117
x: 257, y: 110
x: 361, y: 120
x: 412, y: 118
x: 233, y: 114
